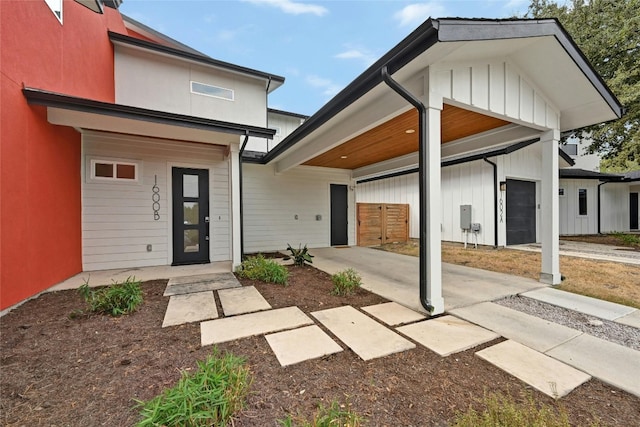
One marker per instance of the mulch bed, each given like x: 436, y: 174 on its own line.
x: 88, y: 371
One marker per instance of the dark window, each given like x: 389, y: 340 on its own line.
x: 582, y: 201
x: 104, y: 170
x: 570, y: 149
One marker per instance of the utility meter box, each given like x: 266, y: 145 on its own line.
x: 465, y: 217
x: 475, y: 227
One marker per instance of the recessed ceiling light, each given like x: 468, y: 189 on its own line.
x: 343, y: 157
x: 410, y: 131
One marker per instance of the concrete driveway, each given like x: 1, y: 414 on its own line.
x: 396, y: 277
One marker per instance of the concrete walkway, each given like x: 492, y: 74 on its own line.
x: 589, y: 250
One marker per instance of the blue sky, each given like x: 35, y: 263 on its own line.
x: 318, y: 46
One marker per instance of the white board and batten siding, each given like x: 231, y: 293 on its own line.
x: 118, y: 218
x: 272, y: 202
x: 468, y: 183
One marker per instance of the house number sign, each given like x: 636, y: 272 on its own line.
x: 155, y: 197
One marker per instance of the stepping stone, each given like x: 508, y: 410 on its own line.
x: 190, y: 308
x: 393, y: 314
x: 542, y: 372
x: 247, y: 325
x: 587, y: 305
x: 448, y: 334
x: 632, y: 319
x: 245, y: 299
x: 200, y: 283
x: 366, y: 337
x: 531, y: 331
x: 287, y: 348
x: 612, y: 363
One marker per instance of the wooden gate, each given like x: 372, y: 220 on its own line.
x: 380, y: 223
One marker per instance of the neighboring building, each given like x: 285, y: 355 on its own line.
x: 123, y: 148
x: 578, y: 150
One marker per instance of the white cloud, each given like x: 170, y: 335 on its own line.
x: 329, y: 88
x: 292, y: 7
x: 360, y: 54
x: 414, y: 14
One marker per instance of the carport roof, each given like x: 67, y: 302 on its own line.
x: 544, y: 41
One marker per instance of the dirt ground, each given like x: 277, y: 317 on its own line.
x: 88, y: 371
x: 603, y: 239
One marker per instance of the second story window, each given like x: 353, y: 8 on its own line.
x: 210, y: 90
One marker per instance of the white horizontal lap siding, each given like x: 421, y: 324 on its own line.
x: 117, y: 217
x: 271, y: 202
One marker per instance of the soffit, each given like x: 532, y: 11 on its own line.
x: 390, y: 139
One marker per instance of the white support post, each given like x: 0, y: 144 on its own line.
x: 550, y: 217
x: 234, y: 172
x: 434, y: 202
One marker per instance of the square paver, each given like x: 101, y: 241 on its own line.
x: 393, y: 314
x: 542, y: 372
x: 448, y: 334
x: 200, y: 283
x: 366, y: 337
x: 245, y: 299
x: 287, y: 348
x: 247, y: 325
x: 190, y: 308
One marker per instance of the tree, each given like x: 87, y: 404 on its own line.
x: 608, y: 33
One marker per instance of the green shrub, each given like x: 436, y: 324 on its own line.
x: 346, y: 282
x: 265, y: 270
x: 210, y: 396
x: 334, y: 415
x: 300, y: 255
x: 503, y: 411
x: 116, y: 300
x: 627, y: 239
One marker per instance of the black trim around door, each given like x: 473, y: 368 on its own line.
x: 633, y: 211
x: 190, y: 216
x: 339, y: 219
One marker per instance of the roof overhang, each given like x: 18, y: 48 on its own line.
x: 540, y: 49
x: 272, y: 81
x: 84, y: 113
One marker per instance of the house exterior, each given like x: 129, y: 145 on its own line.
x: 129, y: 149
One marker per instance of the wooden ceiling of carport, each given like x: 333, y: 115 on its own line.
x: 390, y: 140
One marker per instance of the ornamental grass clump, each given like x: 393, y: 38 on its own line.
x: 116, y: 299
x: 335, y: 414
x: 346, y: 282
x: 210, y: 396
x: 266, y: 270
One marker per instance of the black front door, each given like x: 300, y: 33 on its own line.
x: 521, y: 212
x: 190, y: 216
x: 633, y: 211
x: 339, y: 221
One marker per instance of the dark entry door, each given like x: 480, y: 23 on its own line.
x: 521, y: 212
x: 633, y: 211
x: 339, y: 219
x: 190, y: 216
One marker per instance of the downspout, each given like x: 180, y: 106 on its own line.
x: 495, y: 201
x: 244, y: 144
x: 422, y: 180
x: 599, y: 206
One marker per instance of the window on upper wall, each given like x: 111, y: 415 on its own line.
x: 213, y: 91
x: 56, y: 8
x: 114, y: 170
x: 582, y: 201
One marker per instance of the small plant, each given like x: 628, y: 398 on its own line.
x: 300, y: 255
x: 265, y: 270
x: 210, y: 396
x: 116, y: 300
x: 346, y: 282
x: 333, y: 415
x: 503, y: 411
x: 627, y: 239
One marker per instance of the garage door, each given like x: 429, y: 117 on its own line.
x: 521, y: 212
x: 380, y: 223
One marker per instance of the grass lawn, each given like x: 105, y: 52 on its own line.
x: 606, y: 280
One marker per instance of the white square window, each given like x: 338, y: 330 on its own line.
x: 113, y: 170
x: 212, y: 91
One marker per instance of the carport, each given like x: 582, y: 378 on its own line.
x: 455, y: 87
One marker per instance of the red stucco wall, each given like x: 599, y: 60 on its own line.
x: 40, y: 199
